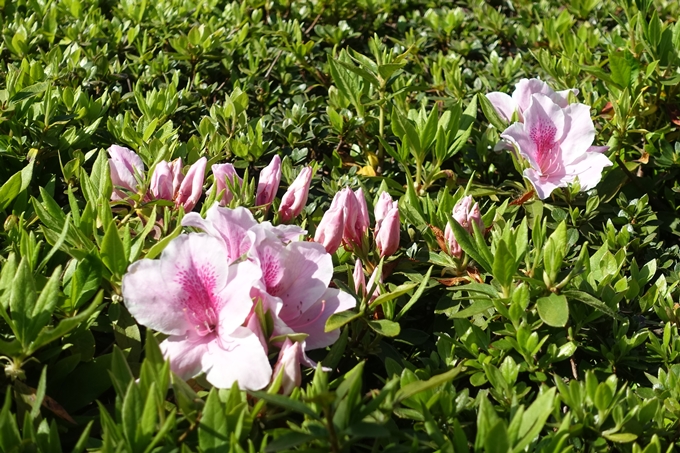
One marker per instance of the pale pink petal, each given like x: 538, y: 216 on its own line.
x: 235, y: 296
x: 310, y: 270
x: 185, y: 353
x: 589, y: 169
x: 598, y: 149
x: 579, y: 132
x: 504, y: 104
x: 230, y: 225
x: 288, y: 364
x: 561, y: 98
x: 253, y: 324
x: 544, y: 185
x: 525, y: 146
x: 177, y: 175
x: 151, y: 300
x: 222, y: 173
x: 268, y: 185
x: 544, y: 124
x: 313, y: 321
x: 359, y: 278
x: 237, y: 358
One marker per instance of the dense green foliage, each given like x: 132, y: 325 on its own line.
x: 561, y: 335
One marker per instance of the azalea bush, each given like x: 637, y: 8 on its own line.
x: 339, y: 226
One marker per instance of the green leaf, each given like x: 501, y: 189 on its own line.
x: 490, y: 113
x: 213, y: 432
x: 534, y: 419
x: 22, y: 302
x: 39, y: 394
x: 621, y: 438
x: 112, y: 251
x: 47, y: 301
x: 286, y: 403
x: 479, y: 306
x: 553, y: 310
x: 593, y: 302
x: 337, y: 320
x: 398, y: 291
x: 385, y: 327
x: 504, y: 265
x: 416, y: 387
x: 554, y: 251
x: 289, y: 440
x: 465, y: 240
x: 416, y: 296
x: 9, y: 431
x: 16, y: 184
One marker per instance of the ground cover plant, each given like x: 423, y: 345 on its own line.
x: 369, y: 225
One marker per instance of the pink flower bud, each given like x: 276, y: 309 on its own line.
x: 295, y: 198
x: 387, y: 238
x: 177, y: 175
x: 288, y: 363
x: 382, y: 207
x: 268, y: 185
x: 359, y: 278
x: 465, y: 215
x: 356, y: 216
x: 329, y: 231
x: 124, y: 165
x: 191, y: 188
x: 222, y: 172
x: 161, y: 182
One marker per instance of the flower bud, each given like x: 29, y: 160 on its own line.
x: 191, y: 189
x: 356, y: 216
x: 382, y: 207
x: 330, y: 229
x: 387, y: 238
x: 359, y: 278
x: 161, y: 182
x: 124, y: 165
x: 295, y: 198
x: 288, y: 363
x: 465, y: 215
x: 268, y: 185
x: 222, y: 172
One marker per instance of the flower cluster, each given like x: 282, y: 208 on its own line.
x: 347, y: 222
x: 212, y: 293
x: 554, y: 136
x: 168, y: 182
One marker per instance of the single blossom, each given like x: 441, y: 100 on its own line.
x: 191, y: 189
x: 556, y: 141
x: 291, y: 356
x: 294, y: 285
x: 295, y: 198
x: 520, y: 100
x: 330, y: 229
x: 125, y: 168
x: 201, y: 302
x: 466, y: 214
x: 268, y: 185
x: 382, y: 207
x: 222, y: 173
x: 387, y: 237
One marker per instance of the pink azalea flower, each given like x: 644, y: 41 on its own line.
x: 125, y: 166
x: 295, y: 198
x: 294, y: 286
x: 520, y: 100
x: 166, y: 179
x: 556, y: 141
x: 193, y: 295
x: 268, y: 185
x: 222, y: 173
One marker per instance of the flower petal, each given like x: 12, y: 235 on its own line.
x: 185, y: 353
x: 151, y: 300
x: 579, y: 132
x: 237, y: 303
x: 589, y: 169
x: 310, y: 271
x: 239, y: 358
x: 313, y: 321
x: 517, y: 135
x: 504, y: 104
x: 544, y: 185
